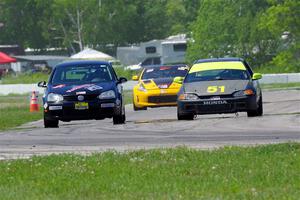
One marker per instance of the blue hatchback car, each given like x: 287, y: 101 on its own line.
x: 82, y: 90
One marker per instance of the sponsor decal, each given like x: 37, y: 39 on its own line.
x: 79, y: 87
x: 94, y: 87
x: 107, y: 105
x: 214, y: 89
x: 90, y: 87
x: 183, y: 68
x: 81, y: 92
x: 45, y: 106
x: 149, y: 70
x: 59, y: 86
x: 164, y: 68
x: 163, y: 86
x: 215, y: 98
x: 215, y: 102
x: 55, y: 107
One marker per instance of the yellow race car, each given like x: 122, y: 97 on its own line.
x: 156, y: 86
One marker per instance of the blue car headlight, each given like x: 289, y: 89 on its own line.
x: 110, y: 94
x: 54, y: 98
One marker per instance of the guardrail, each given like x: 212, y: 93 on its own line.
x: 27, y: 88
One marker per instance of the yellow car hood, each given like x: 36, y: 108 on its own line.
x: 160, y: 83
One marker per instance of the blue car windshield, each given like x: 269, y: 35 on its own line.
x: 164, y: 72
x: 218, y: 74
x: 82, y: 74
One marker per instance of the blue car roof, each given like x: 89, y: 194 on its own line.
x: 218, y: 60
x: 82, y: 62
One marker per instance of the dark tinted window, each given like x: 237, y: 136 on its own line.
x: 156, y: 61
x: 179, y: 47
x: 218, y: 74
x: 150, y: 49
x: 148, y: 61
x: 82, y: 74
x: 164, y: 72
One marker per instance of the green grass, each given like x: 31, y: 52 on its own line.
x: 121, y: 72
x: 264, y: 172
x: 25, y: 78
x: 14, y: 111
x: 128, y: 96
x: 280, y: 85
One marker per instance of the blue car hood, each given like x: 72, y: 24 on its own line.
x: 90, y: 88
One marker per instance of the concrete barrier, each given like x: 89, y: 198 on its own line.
x: 280, y: 78
x: 19, y: 89
x: 27, y: 88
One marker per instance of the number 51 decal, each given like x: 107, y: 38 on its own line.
x: 214, y: 89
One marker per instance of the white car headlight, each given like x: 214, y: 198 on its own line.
x: 188, y: 96
x: 241, y: 93
x: 110, y: 94
x: 54, y: 98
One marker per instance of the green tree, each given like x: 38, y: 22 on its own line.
x: 180, y: 15
x: 24, y: 22
x: 228, y: 28
x: 282, y: 20
x: 74, y: 24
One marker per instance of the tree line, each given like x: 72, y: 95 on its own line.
x: 266, y: 32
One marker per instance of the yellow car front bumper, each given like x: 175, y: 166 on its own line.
x: 155, y: 97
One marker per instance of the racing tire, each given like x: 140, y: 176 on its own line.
x: 50, y: 123
x: 119, y: 119
x: 258, y: 112
x: 138, y: 109
x: 185, y: 116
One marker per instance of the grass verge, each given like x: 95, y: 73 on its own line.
x: 14, y: 111
x: 121, y: 72
x: 25, y: 78
x: 128, y: 96
x: 263, y: 172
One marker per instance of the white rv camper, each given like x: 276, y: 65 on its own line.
x: 167, y: 51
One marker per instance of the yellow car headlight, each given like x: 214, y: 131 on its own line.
x: 142, y: 88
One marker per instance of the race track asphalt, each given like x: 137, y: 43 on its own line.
x: 158, y: 127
